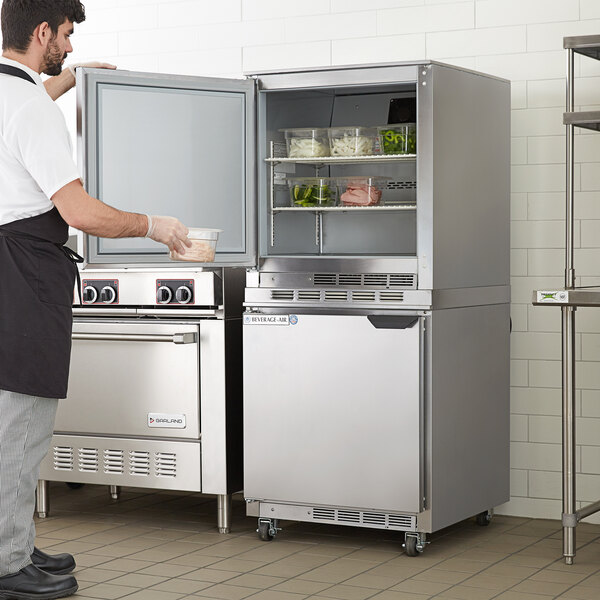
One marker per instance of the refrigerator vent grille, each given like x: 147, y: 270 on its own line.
x: 363, y: 296
x: 391, y: 296
x: 335, y: 296
x: 88, y: 460
x: 384, y: 280
x: 308, y: 295
x: 139, y: 463
x: 402, y: 185
x: 114, y: 462
x: 166, y: 464
x: 282, y: 295
x: 345, y: 279
x: 63, y: 458
x: 371, y: 519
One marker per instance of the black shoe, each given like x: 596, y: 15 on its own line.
x: 58, y: 564
x: 31, y: 583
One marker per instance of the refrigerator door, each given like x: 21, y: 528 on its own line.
x: 169, y: 145
x: 332, y: 410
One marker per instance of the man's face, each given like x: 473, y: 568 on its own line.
x: 58, y: 48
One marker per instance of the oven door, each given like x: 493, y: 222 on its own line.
x: 133, y: 379
x: 332, y: 409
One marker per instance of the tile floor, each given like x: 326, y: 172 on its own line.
x: 164, y: 546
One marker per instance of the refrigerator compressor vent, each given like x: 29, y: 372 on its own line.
x: 166, y: 464
x: 335, y: 296
x: 384, y: 280
x: 309, y: 295
x: 370, y: 519
x: 402, y: 185
x: 114, y: 462
x: 63, y: 458
x: 363, y: 296
x: 287, y: 295
x: 88, y: 460
x: 391, y: 296
x: 139, y: 463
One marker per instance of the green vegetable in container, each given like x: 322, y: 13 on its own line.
x: 399, y: 142
x: 312, y: 195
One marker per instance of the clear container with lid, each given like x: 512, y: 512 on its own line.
x: 204, y: 244
x: 361, y: 190
x: 306, y: 142
x: 307, y: 192
x: 398, y: 139
x: 353, y: 141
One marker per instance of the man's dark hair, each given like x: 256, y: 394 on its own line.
x: 19, y: 18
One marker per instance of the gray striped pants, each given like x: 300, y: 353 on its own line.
x: 26, y: 424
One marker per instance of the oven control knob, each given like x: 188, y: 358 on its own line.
x: 164, y: 295
x: 108, y: 295
x: 90, y: 294
x: 183, y: 294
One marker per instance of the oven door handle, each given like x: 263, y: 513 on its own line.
x: 176, y: 338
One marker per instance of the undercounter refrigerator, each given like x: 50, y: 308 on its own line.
x: 376, y: 321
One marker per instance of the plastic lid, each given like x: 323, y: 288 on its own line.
x: 203, y: 233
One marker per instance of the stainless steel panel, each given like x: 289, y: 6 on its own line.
x: 470, y: 297
x: 198, y: 132
x: 332, y: 413
x: 142, y: 463
x: 114, y: 385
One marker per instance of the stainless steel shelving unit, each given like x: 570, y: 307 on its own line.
x: 571, y: 297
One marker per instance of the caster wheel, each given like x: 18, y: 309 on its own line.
x: 410, y: 546
x: 264, y: 532
x: 483, y: 518
x: 74, y: 486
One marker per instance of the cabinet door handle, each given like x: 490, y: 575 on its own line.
x: 392, y: 321
x: 176, y: 338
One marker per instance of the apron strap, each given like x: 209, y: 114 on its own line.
x: 16, y: 72
x: 74, y: 258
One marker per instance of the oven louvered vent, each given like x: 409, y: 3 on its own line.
x: 391, y: 296
x: 363, y: 296
x: 346, y: 279
x: 308, y: 295
x: 114, y: 461
x: 165, y: 464
x: 139, y: 463
x: 88, y: 460
x: 335, y: 296
x: 63, y: 458
x: 323, y: 279
x: 371, y: 519
x: 282, y: 295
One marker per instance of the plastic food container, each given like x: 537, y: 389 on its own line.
x: 353, y: 141
x: 398, y: 139
x: 204, y: 244
x: 306, y: 143
x: 361, y: 191
x: 306, y: 192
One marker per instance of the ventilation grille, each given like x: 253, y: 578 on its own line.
x: 282, y: 295
x: 363, y: 296
x: 402, y: 185
x: 114, y: 461
x: 309, y: 295
x: 384, y: 280
x: 370, y: 519
x: 88, y: 460
x: 391, y: 296
x: 166, y: 464
x: 335, y: 296
x: 139, y: 463
x: 63, y: 458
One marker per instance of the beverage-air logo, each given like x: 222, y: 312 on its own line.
x: 164, y: 420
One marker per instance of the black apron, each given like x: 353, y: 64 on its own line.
x: 36, y: 295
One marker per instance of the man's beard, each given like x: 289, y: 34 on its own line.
x: 53, y: 59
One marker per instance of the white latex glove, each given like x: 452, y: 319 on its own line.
x: 91, y: 65
x: 169, y: 231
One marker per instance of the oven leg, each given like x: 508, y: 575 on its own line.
x: 42, y: 499
x: 224, y: 513
x: 114, y: 491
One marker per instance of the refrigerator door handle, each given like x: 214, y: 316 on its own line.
x: 392, y: 321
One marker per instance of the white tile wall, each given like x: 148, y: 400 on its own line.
x: 517, y: 39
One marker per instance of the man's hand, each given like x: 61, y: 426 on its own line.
x: 90, y: 65
x: 59, y: 84
x: 168, y: 231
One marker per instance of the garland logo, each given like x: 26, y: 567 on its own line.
x: 163, y: 420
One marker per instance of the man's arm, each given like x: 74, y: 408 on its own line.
x: 59, y: 84
x: 83, y: 212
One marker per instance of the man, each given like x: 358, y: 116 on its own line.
x: 40, y: 196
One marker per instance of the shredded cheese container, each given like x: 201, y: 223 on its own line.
x: 204, y: 244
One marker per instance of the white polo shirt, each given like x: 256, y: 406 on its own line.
x: 36, y: 155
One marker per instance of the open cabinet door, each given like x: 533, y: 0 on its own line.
x: 169, y: 145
